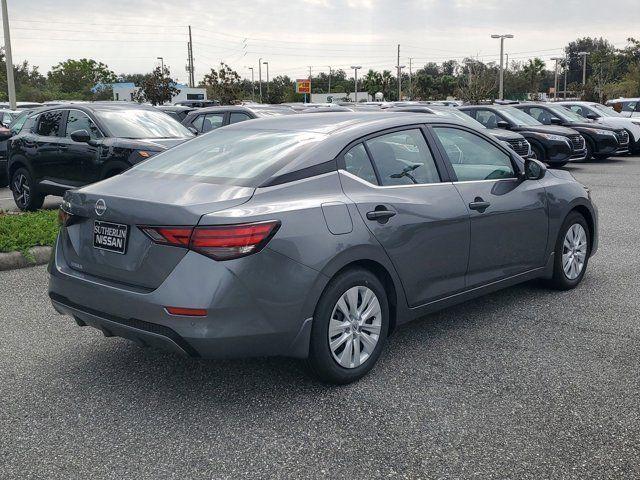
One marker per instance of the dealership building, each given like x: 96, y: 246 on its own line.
x: 125, y: 91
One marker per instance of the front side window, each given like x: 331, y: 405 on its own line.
x: 487, y: 118
x: 403, y: 158
x: 542, y: 115
x: 357, y: 163
x: 578, y: 109
x: 50, y: 123
x: 77, y: 120
x: 473, y: 157
x: 629, y: 106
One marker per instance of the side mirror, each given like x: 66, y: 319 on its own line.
x: 81, y: 136
x: 593, y: 116
x: 556, y: 121
x: 193, y: 130
x: 534, y: 169
x: 502, y: 124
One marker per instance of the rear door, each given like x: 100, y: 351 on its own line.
x: 508, y: 216
x: 403, y: 194
x: 48, y: 163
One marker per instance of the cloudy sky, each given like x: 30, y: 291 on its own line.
x: 292, y: 35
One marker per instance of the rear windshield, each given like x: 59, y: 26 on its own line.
x: 139, y: 123
x: 243, y: 157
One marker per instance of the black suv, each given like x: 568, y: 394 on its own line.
x: 601, y: 141
x: 553, y: 145
x: 206, y: 119
x: 68, y: 146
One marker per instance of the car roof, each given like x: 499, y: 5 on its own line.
x: 99, y: 106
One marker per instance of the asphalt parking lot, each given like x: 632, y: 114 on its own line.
x: 523, y: 384
x: 7, y: 203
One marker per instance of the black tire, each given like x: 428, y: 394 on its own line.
x: 25, y: 192
x: 560, y: 281
x: 321, y: 359
x: 538, y: 153
x: 589, y: 148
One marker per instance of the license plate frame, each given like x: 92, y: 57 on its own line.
x: 104, y: 238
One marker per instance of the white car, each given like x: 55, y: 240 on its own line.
x: 627, y: 107
x: 609, y: 117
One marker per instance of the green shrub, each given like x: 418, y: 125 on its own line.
x: 23, y: 231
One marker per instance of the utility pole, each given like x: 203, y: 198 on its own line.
x: 190, y: 66
x: 260, y: 77
x: 555, y: 82
x: 8, y: 58
x: 355, y: 73
x: 501, y: 37
x: 566, y: 67
x: 410, y: 83
x: 329, y: 89
x: 584, y: 66
x: 310, y: 86
x: 253, y: 86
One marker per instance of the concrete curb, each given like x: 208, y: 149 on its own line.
x: 13, y: 260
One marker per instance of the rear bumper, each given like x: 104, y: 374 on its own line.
x: 249, y: 312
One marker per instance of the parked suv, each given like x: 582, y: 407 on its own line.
x: 69, y: 146
x: 553, y: 145
x: 601, y: 141
x: 609, y: 117
x: 204, y: 120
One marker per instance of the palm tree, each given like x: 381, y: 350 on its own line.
x: 372, y: 82
x: 534, y: 71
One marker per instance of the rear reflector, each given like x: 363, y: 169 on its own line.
x: 220, y: 242
x: 186, y: 312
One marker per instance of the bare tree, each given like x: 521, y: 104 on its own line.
x: 478, y: 81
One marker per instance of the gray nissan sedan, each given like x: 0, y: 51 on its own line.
x: 313, y: 236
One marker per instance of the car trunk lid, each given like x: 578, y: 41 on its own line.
x: 131, y: 200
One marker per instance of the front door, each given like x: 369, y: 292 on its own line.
x: 419, y: 219
x: 508, y: 216
x: 81, y: 159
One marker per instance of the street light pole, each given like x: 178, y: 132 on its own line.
x: 566, y: 68
x: 253, y: 86
x: 400, y: 67
x: 501, y: 37
x: 555, y: 82
x: 410, y: 81
x: 584, y: 66
x: 355, y: 74
x: 8, y: 59
x: 267, y: 64
x: 260, y: 78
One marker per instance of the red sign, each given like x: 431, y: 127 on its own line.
x: 303, y: 86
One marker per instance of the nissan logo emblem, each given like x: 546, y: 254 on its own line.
x: 101, y: 207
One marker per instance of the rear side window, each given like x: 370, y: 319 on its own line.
x: 357, y: 163
x: 210, y: 122
x: 236, y: 117
x: 473, y: 157
x: 50, y: 123
x: 77, y: 120
x: 403, y: 158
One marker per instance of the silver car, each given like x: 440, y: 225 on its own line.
x: 313, y: 236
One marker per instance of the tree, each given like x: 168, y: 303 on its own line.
x: 157, y: 88
x: 79, y: 76
x: 372, y: 82
x: 223, y: 84
x: 478, y: 81
x: 534, y: 72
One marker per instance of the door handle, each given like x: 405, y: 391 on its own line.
x: 63, y: 148
x: 381, y: 216
x: 479, y: 204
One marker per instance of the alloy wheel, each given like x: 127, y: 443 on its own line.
x: 21, y: 190
x: 354, y: 327
x: 574, y: 251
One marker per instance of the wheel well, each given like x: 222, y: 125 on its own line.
x: 15, y: 165
x: 387, y: 282
x: 584, y: 211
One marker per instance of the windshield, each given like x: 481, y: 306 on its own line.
x: 606, y: 111
x: 134, y: 123
x: 235, y: 156
x: 519, y: 117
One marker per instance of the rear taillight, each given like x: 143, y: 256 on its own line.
x: 220, y: 242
